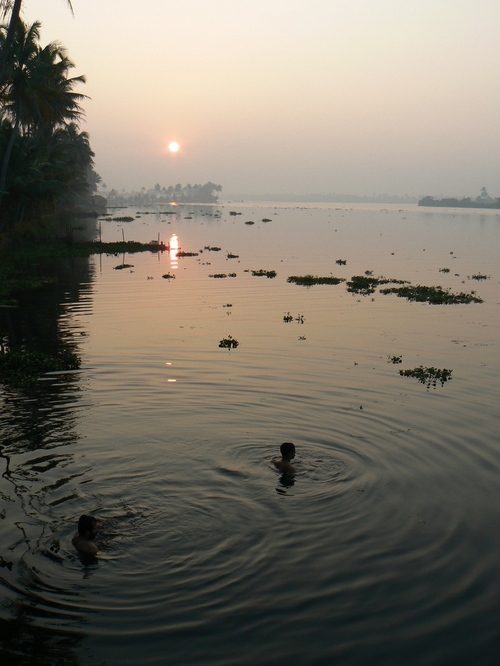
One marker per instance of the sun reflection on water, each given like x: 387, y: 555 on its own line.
x: 174, y: 248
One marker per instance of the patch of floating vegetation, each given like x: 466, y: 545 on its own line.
x: 444, y: 270
x: 432, y: 295
x: 211, y: 248
x: 120, y: 267
x: 230, y: 255
x: 186, y: 254
x: 261, y: 273
x: 366, y: 284
x: 479, y: 276
x: 229, y: 342
x: 168, y: 276
x: 222, y: 275
x: 288, y: 318
x: 309, y: 280
x: 22, y: 368
x: 249, y: 222
x: 341, y: 262
x: 394, y: 359
x: 428, y: 376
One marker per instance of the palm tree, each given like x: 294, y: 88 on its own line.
x: 38, y: 100
x: 15, y: 6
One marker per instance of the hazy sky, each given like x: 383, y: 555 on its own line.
x: 278, y: 96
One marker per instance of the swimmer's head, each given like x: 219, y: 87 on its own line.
x: 87, y: 526
x: 287, y: 450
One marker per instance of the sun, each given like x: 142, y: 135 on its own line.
x: 173, y: 146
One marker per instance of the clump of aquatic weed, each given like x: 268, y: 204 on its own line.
x: 309, y: 280
x: 432, y: 295
x: 229, y: 342
x: 394, y: 359
x: 366, y: 284
x: 287, y: 318
x: 261, y: 273
x: 22, y: 368
x: 428, y: 376
x: 222, y: 275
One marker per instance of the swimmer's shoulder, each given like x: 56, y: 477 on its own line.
x: 284, y: 467
x: 84, y: 546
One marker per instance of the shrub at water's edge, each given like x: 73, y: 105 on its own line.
x: 20, y: 368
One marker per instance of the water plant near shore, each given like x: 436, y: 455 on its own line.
x: 23, y: 368
x: 428, y: 376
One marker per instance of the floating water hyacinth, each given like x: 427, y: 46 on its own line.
x: 309, y: 280
x: 428, y: 376
x: 261, y: 273
x: 229, y: 342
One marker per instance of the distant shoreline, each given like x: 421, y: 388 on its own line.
x: 459, y: 203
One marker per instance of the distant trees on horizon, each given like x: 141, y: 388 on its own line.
x: 482, y: 201
x: 160, y: 194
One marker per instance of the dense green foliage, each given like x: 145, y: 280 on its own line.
x: 47, y: 162
x: 20, y: 368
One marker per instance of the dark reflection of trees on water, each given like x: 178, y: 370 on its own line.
x: 26, y: 644
x: 40, y: 477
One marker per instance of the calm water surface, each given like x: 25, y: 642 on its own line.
x: 384, y: 550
